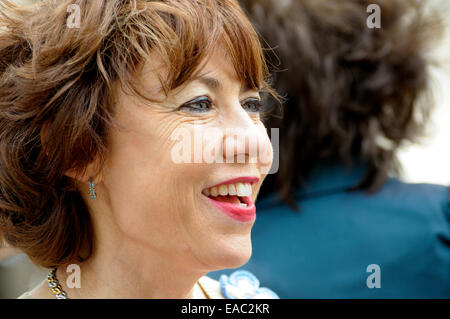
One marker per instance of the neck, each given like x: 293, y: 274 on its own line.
x: 129, y: 270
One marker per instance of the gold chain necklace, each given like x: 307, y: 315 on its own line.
x: 57, y: 290
x: 55, y: 286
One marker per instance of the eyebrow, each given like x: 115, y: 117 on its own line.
x: 211, y: 82
x: 215, y: 84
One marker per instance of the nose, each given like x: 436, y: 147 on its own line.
x: 241, y: 139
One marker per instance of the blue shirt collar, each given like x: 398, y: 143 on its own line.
x: 325, y: 179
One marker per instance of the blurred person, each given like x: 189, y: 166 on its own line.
x: 17, y: 273
x: 6, y: 251
x: 87, y: 117
x: 335, y: 222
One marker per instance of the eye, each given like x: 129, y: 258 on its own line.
x: 199, y: 105
x: 253, y: 105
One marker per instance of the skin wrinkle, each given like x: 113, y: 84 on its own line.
x: 196, y: 238
x: 150, y: 221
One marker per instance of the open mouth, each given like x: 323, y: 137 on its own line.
x: 233, y: 199
x: 236, y: 194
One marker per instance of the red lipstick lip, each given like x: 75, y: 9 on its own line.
x: 243, y: 179
x: 242, y: 214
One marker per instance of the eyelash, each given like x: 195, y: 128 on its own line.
x: 207, y: 104
x: 197, y: 101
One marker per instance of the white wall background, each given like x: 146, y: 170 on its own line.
x: 429, y: 161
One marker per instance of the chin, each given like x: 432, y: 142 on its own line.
x: 236, y: 261
x: 231, y: 256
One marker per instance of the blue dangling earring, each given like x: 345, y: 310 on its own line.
x: 92, y: 189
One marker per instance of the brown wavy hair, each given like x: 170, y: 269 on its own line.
x: 352, y: 93
x: 57, y: 99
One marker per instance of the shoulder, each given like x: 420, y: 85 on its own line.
x: 210, y: 287
x: 241, y: 284
x: 41, y: 291
x: 417, y: 197
x: 425, y: 190
x: 26, y: 295
x: 395, y: 195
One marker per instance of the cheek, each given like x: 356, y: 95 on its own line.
x: 147, y: 189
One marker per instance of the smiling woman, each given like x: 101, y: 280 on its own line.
x: 87, y: 115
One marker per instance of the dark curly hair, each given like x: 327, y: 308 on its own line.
x: 353, y: 93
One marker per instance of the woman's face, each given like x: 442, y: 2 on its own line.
x: 159, y: 201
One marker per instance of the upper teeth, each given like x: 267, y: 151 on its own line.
x: 239, y: 189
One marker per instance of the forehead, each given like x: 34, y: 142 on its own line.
x: 217, y: 67
x: 216, y: 72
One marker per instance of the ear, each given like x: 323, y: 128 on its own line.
x: 92, y: 170
x: 82, y: 177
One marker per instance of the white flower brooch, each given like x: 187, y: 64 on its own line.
x: 242, y: 284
